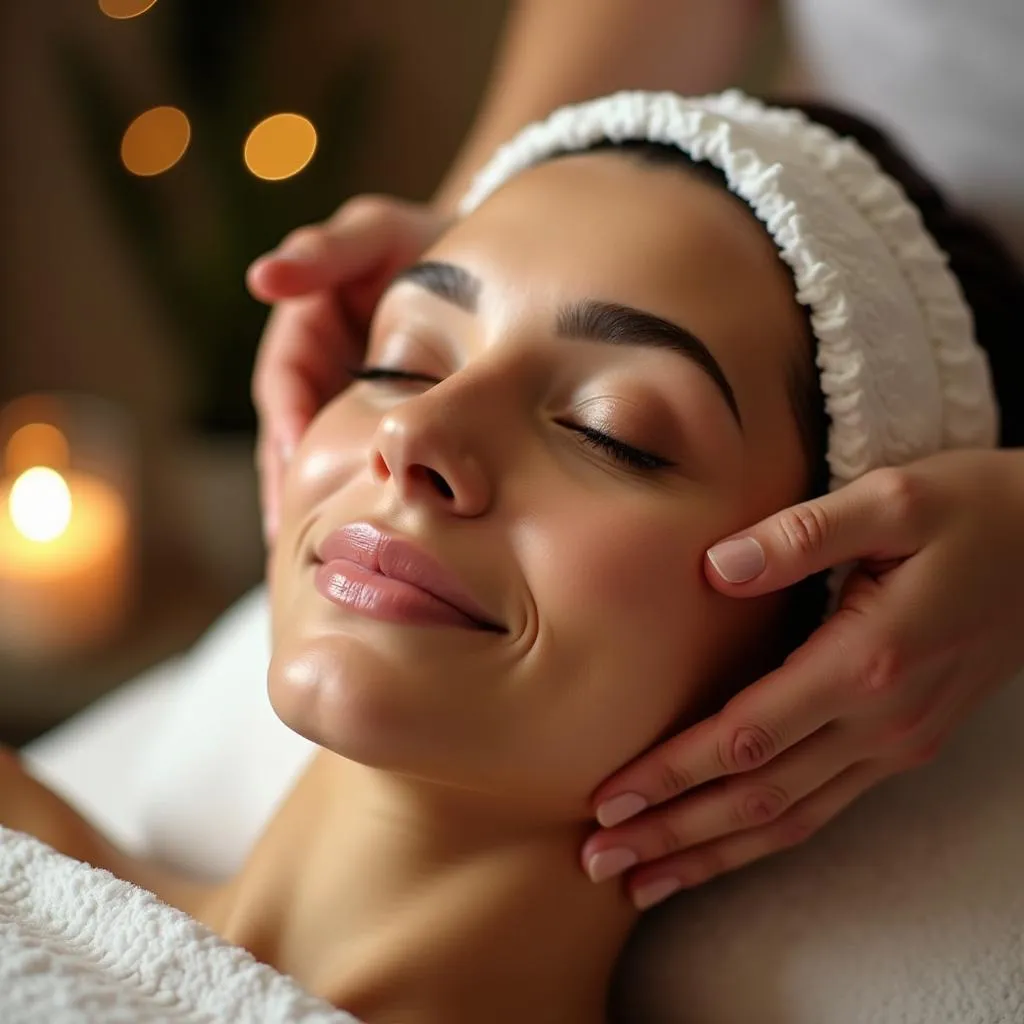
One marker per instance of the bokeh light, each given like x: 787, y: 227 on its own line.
x: 40, y: 504
x: 35, y: 444
x: 155, y: 141
x: 280, y: 146
x: 125, y: 8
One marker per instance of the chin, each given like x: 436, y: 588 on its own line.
x: 396, y: 715
x: 343, y: 696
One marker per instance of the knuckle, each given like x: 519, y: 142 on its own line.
x: 749, y: 746
x: 804, y: 528
x: 707, y: 865
x: 670, y: 839
x: 882, y: 670
x: 901, y: 494
x: 794, y: 829
x: 761, y: 805
x: 674, y: 780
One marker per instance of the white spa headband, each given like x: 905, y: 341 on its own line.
x: 901, y: 371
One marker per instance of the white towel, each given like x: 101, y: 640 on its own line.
x: 79, y: 946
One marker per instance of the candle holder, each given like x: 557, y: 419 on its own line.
x: 66, y: 526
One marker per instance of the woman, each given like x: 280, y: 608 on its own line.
x: 488, y: 590
x: 945, y: 75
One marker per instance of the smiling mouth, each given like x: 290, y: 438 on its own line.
x: 377, y: 596
x: 388, y: 578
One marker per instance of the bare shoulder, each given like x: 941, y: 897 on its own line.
x: 27, y: 805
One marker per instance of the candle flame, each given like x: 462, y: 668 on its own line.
x: 40, y: 504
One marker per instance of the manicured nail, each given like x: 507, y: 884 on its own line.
x: 609, y: 863
x: 738, y: 561
x: 620, y: 808
x: 654, y: 892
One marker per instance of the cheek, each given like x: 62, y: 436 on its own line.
x: 630, y: 635
x: 631, y: 565
x: 333, y: 452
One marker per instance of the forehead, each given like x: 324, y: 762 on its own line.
x: 605, y: 226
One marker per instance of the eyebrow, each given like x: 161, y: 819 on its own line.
x: 447, y: 281
x: 587, y: 320
x: 615, y: 324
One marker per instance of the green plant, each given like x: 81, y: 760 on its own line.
x: 194, y: 229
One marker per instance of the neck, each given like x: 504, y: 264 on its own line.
x: 400, y: 901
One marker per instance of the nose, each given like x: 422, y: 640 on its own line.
x: 423, y: 448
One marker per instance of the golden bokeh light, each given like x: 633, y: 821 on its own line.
x: 125, y: 8
x: 280, y: 146
x: 35, y: 444
x: 155, y: 141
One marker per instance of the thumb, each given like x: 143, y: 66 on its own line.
x: 873, y: 518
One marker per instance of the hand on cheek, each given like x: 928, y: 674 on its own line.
x: 925, y: 630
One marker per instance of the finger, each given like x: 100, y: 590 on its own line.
x: 271, y: 464
x: 290, y: 273
x: 274, y: 454
x: 289, y: 388
x: 312, y: 261
x: 303, y: 359
x: 652, y: 884
x: 357, y: 239
x: 816, y: 685
x: 879, y: 516
x: 738, y: 804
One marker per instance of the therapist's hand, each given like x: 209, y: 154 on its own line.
x: 931, y: 620
x: 325, y: 281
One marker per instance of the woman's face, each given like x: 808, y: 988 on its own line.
x: 592, y: 298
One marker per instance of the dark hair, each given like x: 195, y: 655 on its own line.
x: 992, y: 283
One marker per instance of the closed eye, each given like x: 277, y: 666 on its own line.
x: 384, y: 373
x: 627, y: 454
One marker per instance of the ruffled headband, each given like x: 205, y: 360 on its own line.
x: 901, y: 371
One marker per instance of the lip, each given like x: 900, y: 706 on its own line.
x: 388, y: 577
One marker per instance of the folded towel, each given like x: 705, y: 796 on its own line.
x: 79, y: 946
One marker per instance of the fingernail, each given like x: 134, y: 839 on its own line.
x: 738, y: 561
x: 299, y: 251
x: 645, y: 896
x: 620, y: 808
x: 609, y: 863
x: 286, y: 449
x: 290, y: 257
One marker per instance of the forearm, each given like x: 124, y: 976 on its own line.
x: 563, y: 51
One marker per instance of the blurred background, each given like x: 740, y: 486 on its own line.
x: 152, y: 150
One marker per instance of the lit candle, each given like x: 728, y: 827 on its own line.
x: 64, y: 562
